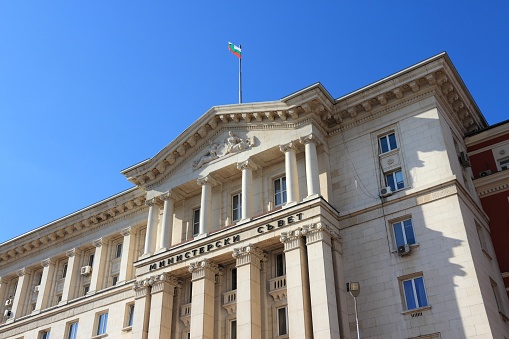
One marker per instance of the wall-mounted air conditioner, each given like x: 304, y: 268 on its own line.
x: 464, y: 161
x: 386, y: 191
x: 7, y: 313
x: 484, y: 173
x: 8, y: 302
x: 404, y: 250
x: 36, y: 289
x: 86, y: 270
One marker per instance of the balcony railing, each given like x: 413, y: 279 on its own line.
x: 185, y: 314
x: 277, y: 287
x: 230, y: 301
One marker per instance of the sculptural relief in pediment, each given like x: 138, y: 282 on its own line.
x: 231, y: 145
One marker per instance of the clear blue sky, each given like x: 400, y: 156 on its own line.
x: 88, y: 88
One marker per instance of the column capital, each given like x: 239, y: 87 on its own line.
x: 291, y: 239
x: 310, y: 138
x: 165, y: 282
x: 126, y: 231
x: 72, y: 252
x: 249, y: 255
x: 207, y: 180
x: 319, y: 232
x: 98, y: 242
x: 287, y: 147
x: 22, y: 271
x: 153, y: 202
x: 248, y: 164
x: 203, y: 269
x: 168, y: 196
x: 47, y: 262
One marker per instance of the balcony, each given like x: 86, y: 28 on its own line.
x: 185, y: 314
x: 230, y: 301
x: 277, y: 287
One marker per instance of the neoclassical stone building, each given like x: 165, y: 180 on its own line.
x: 252, y: 221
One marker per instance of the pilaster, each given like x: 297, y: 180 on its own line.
x: 19, y: 303
x: 71, y: 276
x: 141, y: 310
x: 126, y: 267
x: 151, y: 235
x: 161, y: 306
x: 98, y: 268
x: 45, y: 293
x: 167, y: 222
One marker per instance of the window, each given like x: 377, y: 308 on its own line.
x: 504, y: 164
x: 388, y: 143
x: 236, y: 207
x: 64, y: 270
x: 403, y: 232
x: 395, y: 180
x: 44, y: 334
x: 282, y: 321
x: 91, y: 260
x: 233, y: 329
x: 115, y: 280
x: 482, y: 239
x: 102, y: 322
x: 280, y: 264
x: 414, y: 293
x: 196, y: 222
x: 234, y: 278
x: 86, y: 288
x: 72, y: 331
x: 279, y: 191
x: 130, y: 315
x: 39, y: 278
x: 494, y: 287
x: 118, y: 251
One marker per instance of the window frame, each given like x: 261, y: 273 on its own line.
x: 102, y: 323
x: 233, y: 278
x: 388, y: 146
x: 71, y: 330
x: 277, y: 272
x: 129, y: 315
x: 196, y: 222
x: 278, y: 318
x: 236, y: 208
x: 400, y: 222
x: 232, y: 329
x: 44, y: 334
x: 282, y: 193
x: 416, y: 290
x: 118, y: 250
x: 393, y: 174
x: 503, y: 164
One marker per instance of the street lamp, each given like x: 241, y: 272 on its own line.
x: 355, y: 289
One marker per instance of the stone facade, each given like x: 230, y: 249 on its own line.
x: 251, y: 223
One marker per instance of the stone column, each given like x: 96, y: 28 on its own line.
x: 321, y: 281
x: 167, y: 223
x: 126, y: 262
x: 249, y: 318
x: 206, y: 204
x: 151, y: 235
x: 98, y: 268
x: 3, y: 295
x: 141, y: 310
x: 18, y: 305
x: 45, y: 293
x: 292, y: 184
x: 247, y: 168
x: 297, y: 286
x: 71, y: 275
x: 313, y: 183
x: 161, y: 306
x: 202, y: 307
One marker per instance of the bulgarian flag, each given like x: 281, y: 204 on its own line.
x: 235, y: 50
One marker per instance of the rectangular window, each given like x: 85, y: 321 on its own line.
x: 415, y: 293
x: 233, y: 329
x: 130, y: 315
x: 190, y: 297
x: 72, y: 331
x: 85, y: 289
x: 115, y: 280
x: 403, y: 232
x: 504, y: 164
x: 91, y: 260
x: 196, y: 222
x: 395, y: 180
x: 388, y: 143
x: 482, y: 239
x: 494, y: 287
x: 64, y: 270
x: 44, y: 334
x: 280, y: 265
x: 282, y: 321
x: 236, y: 207
x: 102, y: 322
x: 39, y: 278
x: 118, y: 251
x: 234, y: 278
x: 279, y: 191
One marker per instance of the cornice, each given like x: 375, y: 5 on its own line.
x: 492, y: 184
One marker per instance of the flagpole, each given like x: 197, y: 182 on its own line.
x: 240, y: 78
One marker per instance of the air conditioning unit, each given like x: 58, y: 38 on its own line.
x: 86, y: 270
x: 8, y: 302
x: 7, y: 313
x: 484, y: 173
x: 386, y: 191
x: 36, y: 289
x: 404, y: 250
x: 464, y: 161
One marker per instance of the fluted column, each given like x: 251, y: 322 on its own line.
x: 297, y: 286
x: 202, y: 308
x: 167, y: 222
x: 141, y: 310
x: 45, y: 293
x: 312, y: 180
x: 98, y: 268
x: 206, y: 204
x: 18, y: 305
x: 247, y: 168
x: 71, y: 276
x: 126, y: 263
x: 161, y: 306
x: 292, y: 184
x: 151, y: 235
x: 321, y: 280
x: 249, y: 318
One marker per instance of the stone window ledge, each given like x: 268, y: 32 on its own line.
x: 416, y: 310
x: 127, y: 329
x: 100, y: 336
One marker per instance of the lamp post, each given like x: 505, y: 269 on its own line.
x: 355, y: 289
